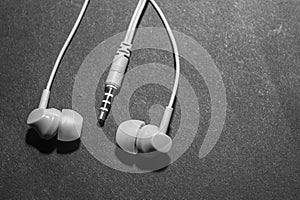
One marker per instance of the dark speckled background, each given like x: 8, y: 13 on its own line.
x: 256, y: 46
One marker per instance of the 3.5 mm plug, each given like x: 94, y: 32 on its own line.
x: 114, y: 80
x: 106, y: 103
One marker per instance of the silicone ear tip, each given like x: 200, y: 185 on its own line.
x: 35, y: 116
x: 70, y: 126
x: 127, y: 133
x: 162, y: 143
x: 144, y: 138
x: 45, y: 121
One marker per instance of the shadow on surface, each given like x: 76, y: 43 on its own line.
x: 44, y: 146
x: 67, y: 147
x: 159, y: 162
x: 48, y: 146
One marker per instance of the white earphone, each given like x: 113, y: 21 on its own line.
x: 68, y: 123
x: 133, y: 136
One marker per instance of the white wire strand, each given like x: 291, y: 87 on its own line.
x: 67, y: 42
x: 133, y: 18
x: 134, y: 21
x: 175, y: 49
x: 130, y: 35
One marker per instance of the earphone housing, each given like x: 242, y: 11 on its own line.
x: 49, y: 122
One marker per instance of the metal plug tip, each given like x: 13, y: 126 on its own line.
x: 102, y: 117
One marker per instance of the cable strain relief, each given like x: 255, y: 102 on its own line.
x: 164, y: 124
x: 44, y: 99
x: 124, y: 49
x: 119, y: 65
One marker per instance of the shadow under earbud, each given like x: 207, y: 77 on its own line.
x: 154, y: 164
x: 124, y: 157
x: 48, y: 146
x: 67, y: 147
x: 44, y: 146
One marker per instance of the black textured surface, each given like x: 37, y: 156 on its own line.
x: 256, y: 46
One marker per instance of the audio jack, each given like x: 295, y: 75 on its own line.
x: 114, y: 80
x: 106, y: 103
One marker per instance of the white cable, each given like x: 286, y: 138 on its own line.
x: 64, y: 48
x: 133, y: 18
x: 130, y: 35
x: 134, y: 21
x: 175, y: 49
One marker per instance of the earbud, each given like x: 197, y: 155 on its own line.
x: 133, y: 136
x: 151, y: 139
x: 49, y: 122
x: 127, y: 133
